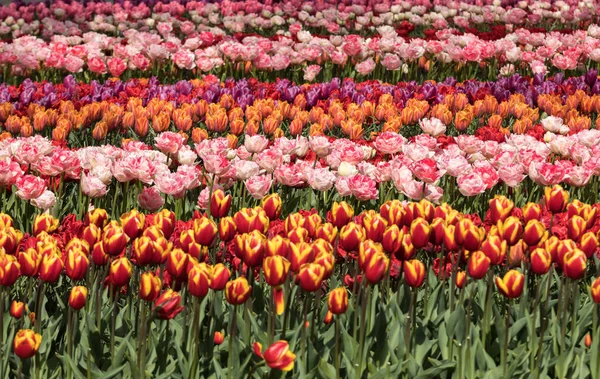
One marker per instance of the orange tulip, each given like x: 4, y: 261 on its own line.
x: 511, y: 285
x: 26, y: 343
x: 237, y: 291
x: 414, y: 273
x: 78, y: 297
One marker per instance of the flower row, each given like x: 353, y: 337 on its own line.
x: 228, y: 17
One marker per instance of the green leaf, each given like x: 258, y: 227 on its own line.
x: 437, y: 370
x: 326, y: 370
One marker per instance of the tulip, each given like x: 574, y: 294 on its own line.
x: 376, y: 267
x: 205, y: 231
x: 92, y: 234
x: 30, y: 262
x: 351, y: 235
x: 199, y: 279
x: 165, y: 220
x: 97, y: 216
x: 150, y: 285
x: 468, y: 235
x: 220, y: 203
x: 114, y: 239
x: 576, y: 227
x: 461, y: 279
x: 293, y: 221
x: 176, y: 264
x: 495, y: 249
x: 237, y: 291
x: 99, y: 257
x: 16, y: 309
x: 341, y: 214
x: 120, y: 271
x: 277, y: 245
x: 249, y: 219
x: 310, y: 276
x: 77, y: 264
x: 556, y: 198
x: 26, y: 343
x: 588, y: 212
x: 516, y: 254
x: 272, y: 206
x: 168, y: 305
x: 374, y: 226
x: 45, y: 223
x: 275, y: 269
x: 449, y: 238
x: 132, y: 223
x: 337, y: 301
x: 407, y: 248
x: 500, y: 208
x: 534, y: 233
x: 298, y: 234
x: 78, y: 297
x: 531, y: 211
x: 277, y: 356
x: 366, y: 250
x: 540, y: 261
x: 564, y: 247
x: 9, y: 239
x: 327, y: 231
x: 312, y: 223
x: 588, y: 340
x: 218, y: 338
x: 595, y: 290
x: 437, y: 226
x: 142, y: 251
x: 227, y: 229
x: 574, y: 264
x: 588, y: 244
x: 414, y: 273
x: 220, y: 277
x: 78, y: 244
x: 511, y: 230
x: 393, y: 212
x: 478, y: 265
x: 511, y: 286
x: 420, y: 232
x: 392, y: 239
x: 50, y: 268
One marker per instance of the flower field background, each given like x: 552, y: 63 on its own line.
x: 325, y: 189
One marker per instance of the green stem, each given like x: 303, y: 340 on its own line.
x: 505, y: 352
x: 363, y: 315
x: 142, y: 341
x: 196, y: 344
x: 337, y: 346
x: 231, y: 335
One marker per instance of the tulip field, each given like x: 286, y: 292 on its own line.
x: 300, y: 189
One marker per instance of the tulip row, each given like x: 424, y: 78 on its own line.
x: 394, y: 285
x: 327, y: 17
x: 138, y: 108
x: 301, y: 57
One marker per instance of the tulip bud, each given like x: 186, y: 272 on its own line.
x: 150, y: 285
x: 511, y: 230
x: 420, y: 232
x: 92, y: 234
x: 45, y: 223
x: 588, y: 244
x: 564, y: 247
x: 468, y: 235
x: 10, y: 239
x: 437, y: 226
x: 168, y: 305
x: 337, y: 301
x: 26, y: 343
x: 293, y: 221
x: 327, y: 231
x: 220, y: 203
x: 511, y: 286
x: 461, y: 279
x: 120, y: 272
x: 556, y: 198
x: 310, y: 276
x: 588, y: 212
x: 220, y: 277
x: 551, y: 246
x: 77, y: 264
x: 449, y: 238
x: 99, y: 257
x: 142, y: 251
x: 272, y: 206
x: 351, y: 235
x: 540, y: 261
x: 78, y: 297
x: 278, y: 356
x: 414, y: 273
x: 376, y: 267
x: 534, y: 233
x: 574, y: 264
x: 576, y: 227
x: 114, y: 239
x: 327, y: 260
x: 407, y: 248
x: 275, y: 269
x: 227, y: 229
x: 165, y: 220
x: 205, y: 231
x: 237, y: 291
x: 478, y: 265
x: 366, y: 250
x: 588, y: 340
x: 199, y: 279
x: 531, y: 211
x: 249, y: 219
x: 218, y: 338
x: 16, y: 309
x: 132, y: 223
x: 495, y: 249
x: 300, y: 254
x: 30, y: 261
x: 500, y: 208
x: 312, y: 223
x: 516, y: 254
x: 392, y: 239
x: 341, y: 214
